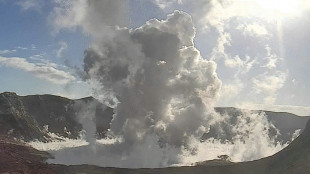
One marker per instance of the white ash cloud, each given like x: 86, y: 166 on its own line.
x: 163, y: 90
x: 172, y: 101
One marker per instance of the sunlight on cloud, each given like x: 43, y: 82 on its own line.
x: 269, y: 84
x: 41, y: 70
x: 253, y: 29
x: 282, y: 8
x: 164, y: 91
x: 164, y: 96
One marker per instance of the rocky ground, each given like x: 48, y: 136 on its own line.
x: 17, y: 158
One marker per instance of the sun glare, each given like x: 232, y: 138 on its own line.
x: 279, y: 9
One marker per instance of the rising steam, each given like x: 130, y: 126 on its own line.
x: 160, y: 82
x: 162, y: 90
x: 164, y: 94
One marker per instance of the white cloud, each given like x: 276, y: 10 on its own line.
x: 269, y: 84
x: 33, y: 47
x: 230, y: 91
x: 41, y: 70
x: 89, y: 15
x: 223, y: 40
x: 234, y: 62
x: 30, y: 4
x: 243, y: 65
x: 272, y: 59
x: 7, y: 51
x: 163, y: 4
x: 62, y: 49
x: 253, y: 30
x: 241, y: 29
x: 22, y: 48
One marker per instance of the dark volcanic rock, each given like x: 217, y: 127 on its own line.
x: 293, y: 159
x: 54, y: 112
x: 18, y: 158
x: 287, y: 123
x: 15, y: 120
x: 27, y: 117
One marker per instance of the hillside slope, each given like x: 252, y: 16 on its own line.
x: 32, y: 117
x: 26, y: 117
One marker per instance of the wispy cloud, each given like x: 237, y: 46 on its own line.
x: 46, y: 71
x: 237, y: 62
x: 91, y: 16
x: 269, y: 85
x: 62, y: 49
x: 22, y: 48
x: 230, y: 91
x: 30, y: 4
x: 272, y: 59
x: 254, y: 30
x: 163, y: 4
x: 33, y: 47
x: 7, y: 51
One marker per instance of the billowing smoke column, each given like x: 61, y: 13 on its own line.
x: 161, y: 85
x: 163, y: 93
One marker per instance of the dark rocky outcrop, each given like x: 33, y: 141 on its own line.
x: 16, y: 121
x: 18, y: 158
x: 26, y: 117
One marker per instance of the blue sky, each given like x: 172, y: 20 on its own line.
x: 26, y: 33
x: 262, y: 58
